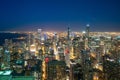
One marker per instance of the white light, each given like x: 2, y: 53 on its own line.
x: 83, y: 32
x: 39, y: 30
x: 58, y: 46
x: 88, y: 25
x: 110, y: 59
x: 56, y: 53
x: 42, y: 39
x: 6, y: 51
x: 1, y: 72
x: 42, y: 43
x: 7, y: 73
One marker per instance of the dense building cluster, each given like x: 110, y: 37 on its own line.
x: 66, y: 55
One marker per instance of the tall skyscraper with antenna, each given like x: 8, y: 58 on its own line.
x: 39, y: 33
x: 68, y: 33
x: 29, y: 37
x: 87, y: 30
x: 67, y: 52
x: 87, y: 35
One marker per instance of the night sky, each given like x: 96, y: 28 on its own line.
x: 56, y: 15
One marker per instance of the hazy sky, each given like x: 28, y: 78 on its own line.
x: 102, y: 15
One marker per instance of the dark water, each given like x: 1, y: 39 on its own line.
x: 10, y: 36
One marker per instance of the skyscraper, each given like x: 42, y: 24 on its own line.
x: 39, y: 33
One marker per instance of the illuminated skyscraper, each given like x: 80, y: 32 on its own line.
x: 67, y: 50
x: 39, y: 33
x: 87, y: 35
x: 87, y: 30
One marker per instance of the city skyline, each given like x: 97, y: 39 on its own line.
x: 57, y: 15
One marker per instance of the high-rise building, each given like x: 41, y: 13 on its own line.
x: 87, y: 35
x: 68, y: 34
x: 87, y: 30
x: 39, y: 33
x: 56, y: 70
